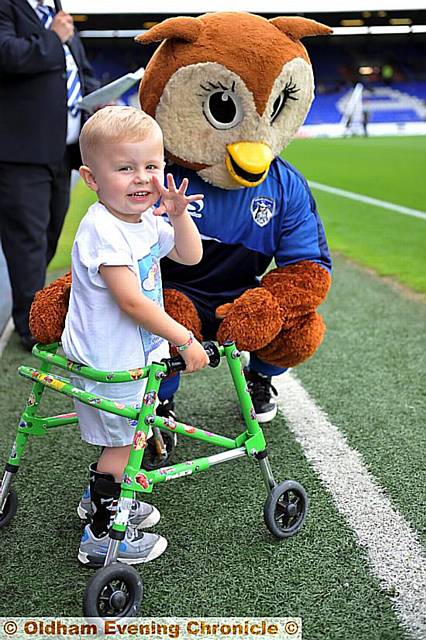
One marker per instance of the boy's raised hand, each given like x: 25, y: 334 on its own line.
x: 173, y: 200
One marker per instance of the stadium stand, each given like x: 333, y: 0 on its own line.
x: 339, y: 62
x: 336, y: 73
x: 403, y: 102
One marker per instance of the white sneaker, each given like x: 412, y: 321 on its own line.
x: 136, y: 548
x: 142, y: 514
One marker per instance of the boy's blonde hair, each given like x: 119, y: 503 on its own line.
x: 115, y: 124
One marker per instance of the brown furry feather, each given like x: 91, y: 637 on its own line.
x: 48, y: 311
x: 252, y: 321
x: 182, y: 309
x: 299, y: 288
x: 295, y: 345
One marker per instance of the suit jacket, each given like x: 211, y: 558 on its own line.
x: 33, y: 93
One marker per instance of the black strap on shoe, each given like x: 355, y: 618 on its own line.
x: 104, y: 493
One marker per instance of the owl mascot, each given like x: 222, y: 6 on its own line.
x: 230, y: 91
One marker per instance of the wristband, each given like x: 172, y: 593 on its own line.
x: 182, y: 347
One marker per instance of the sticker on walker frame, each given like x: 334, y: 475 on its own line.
x: 150, y: 398
x: 75, y: 366
x: 135, y: 374
x: 139, y: 440
x: 189, y: 429
x: 45, y: 378
x: 192, y: 628
x: 57, y: 384
x: 142, y: 480
x: 180, y: 474
x: 169, y: 422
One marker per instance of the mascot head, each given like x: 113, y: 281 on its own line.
x: 229, y: 91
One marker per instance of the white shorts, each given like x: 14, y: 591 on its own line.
x: 103, y: 428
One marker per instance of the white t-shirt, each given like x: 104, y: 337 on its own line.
x: 97, y: 332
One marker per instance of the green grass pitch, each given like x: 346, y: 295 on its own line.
x: 388, y: 169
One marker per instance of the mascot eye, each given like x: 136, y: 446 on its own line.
x: 286, y: 94
x: 222, y: 107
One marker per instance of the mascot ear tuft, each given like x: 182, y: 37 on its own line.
x: 187, y: 29
x: 298, y: 28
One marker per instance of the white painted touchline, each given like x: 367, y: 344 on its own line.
x: 7, y: 332
x: 373, y: 201
x: 393, y: 548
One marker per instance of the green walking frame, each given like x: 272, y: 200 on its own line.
x: 116, y: 589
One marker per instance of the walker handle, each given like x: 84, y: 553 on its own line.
x: 177, y: 363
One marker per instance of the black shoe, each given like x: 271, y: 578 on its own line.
x: 27, y: 341
x: 166, y: 409
x: 156, y: 455
x: 261, y: 390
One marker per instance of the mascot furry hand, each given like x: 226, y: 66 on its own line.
x: 230, y: 90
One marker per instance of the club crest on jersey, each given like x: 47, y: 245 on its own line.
x: 195, y: 208
x: 262, y: 210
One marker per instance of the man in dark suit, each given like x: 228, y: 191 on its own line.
x: 43, y: 73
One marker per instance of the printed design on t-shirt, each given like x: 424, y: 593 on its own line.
x: 262, y: 209
x: 149, y: 271
x: 150, y: 281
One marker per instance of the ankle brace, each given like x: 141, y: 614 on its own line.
x: 104, y: 493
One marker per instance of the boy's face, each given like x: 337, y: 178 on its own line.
x: 121, y: 174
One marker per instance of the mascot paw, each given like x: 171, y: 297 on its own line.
x: 48, y: 311
x: 293, y: 346
x: 223, y: 309
x: 251, y: 321
x: 183, y: 310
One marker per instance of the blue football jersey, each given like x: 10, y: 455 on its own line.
x: 243, y: 230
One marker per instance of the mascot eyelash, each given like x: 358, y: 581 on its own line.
x: 286, y: 94
x: 219, y: 85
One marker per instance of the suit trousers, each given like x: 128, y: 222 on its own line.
x: 34, y: 199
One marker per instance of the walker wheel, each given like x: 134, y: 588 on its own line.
x: 152, y: 458
x: 113, y: 591
x: 285, y: 509
x: 10, y: 509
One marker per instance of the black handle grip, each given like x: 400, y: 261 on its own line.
x: 58, y: 5
x: 213, y: 353
x: 177, y: 363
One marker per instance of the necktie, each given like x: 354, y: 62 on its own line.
x: 74, y: 94
x: 45, y: 14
